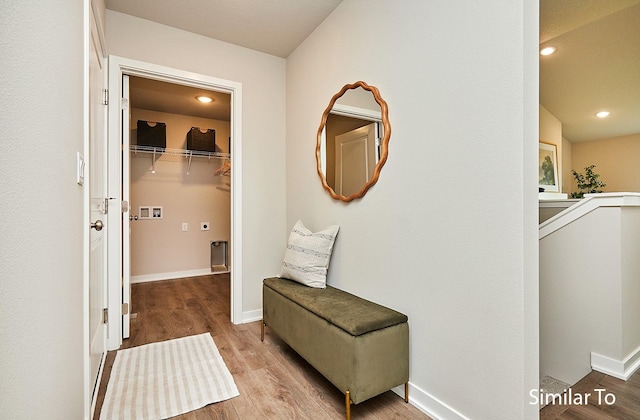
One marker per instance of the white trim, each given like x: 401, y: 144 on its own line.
x: 552, y: 196
x: 252, y: 316
x: 97, y: 7
x: 429, y: 404
x: 144, y: 278
x: 119, y: 66
x: 585, y: 206
x: 236, y: 204
x: 94, y: 398
x: 355, y: 112
x: 556, y: 204
x: 621, y: 369
x: 86, y: 216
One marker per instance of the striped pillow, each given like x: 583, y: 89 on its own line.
x: 306, y: 259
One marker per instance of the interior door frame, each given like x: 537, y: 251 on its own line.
x: 371, y: 155
x: 119, y: 66
x: 93, y: 35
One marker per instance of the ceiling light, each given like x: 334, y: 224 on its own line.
x: 547, y: 50
x: 204, y: 99
x: 602, y: 114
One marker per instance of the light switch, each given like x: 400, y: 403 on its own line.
x: 79, y: 169
x: 185, y: 227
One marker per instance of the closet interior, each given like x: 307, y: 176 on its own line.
x: 180, y: 185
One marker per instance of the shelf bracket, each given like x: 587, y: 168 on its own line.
x: 189, y: 165
x: 153, y: 162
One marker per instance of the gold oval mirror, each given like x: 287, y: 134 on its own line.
x: 353, y: 141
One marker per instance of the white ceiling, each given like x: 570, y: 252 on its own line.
x: 275, y: 27
x: 597, y: 64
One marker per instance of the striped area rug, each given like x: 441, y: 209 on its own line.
x: 161, y: 380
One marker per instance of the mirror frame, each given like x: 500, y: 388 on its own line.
x: 384, y: 146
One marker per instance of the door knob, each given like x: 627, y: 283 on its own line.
x: 134, y: 217
x: 98, y: 225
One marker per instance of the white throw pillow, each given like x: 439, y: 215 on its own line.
x: 306, y: 259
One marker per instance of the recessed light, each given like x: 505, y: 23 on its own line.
x: 547, y: 50
x: 602, y: 114
x: 204, y: 99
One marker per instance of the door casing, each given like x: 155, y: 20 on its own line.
x: 355, y: 160
x: 94, y: 184
x: 119, y: 66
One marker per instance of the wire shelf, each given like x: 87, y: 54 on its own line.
x: 160, y: 151
x: 166, y: 154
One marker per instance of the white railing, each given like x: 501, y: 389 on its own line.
x: 585, y: 206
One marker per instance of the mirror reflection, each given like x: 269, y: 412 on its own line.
x: 352, y: 141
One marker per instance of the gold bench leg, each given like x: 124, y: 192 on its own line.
x: 406, y: 392
x: 262, y: 330
x: 347, y: 401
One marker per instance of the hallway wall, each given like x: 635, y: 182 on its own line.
x: 42, y: 335
x: 448, y: 235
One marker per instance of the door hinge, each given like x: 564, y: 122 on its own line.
x: 105, y: 315
x: 125, y: 309
x: 124, y: 104
x: 105, y: 99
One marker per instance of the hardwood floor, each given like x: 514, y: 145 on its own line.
x: 274, y: 382
x: 626, y: 394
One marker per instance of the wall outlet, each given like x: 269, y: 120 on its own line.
x: 204, y: 226
x: 185, y: 227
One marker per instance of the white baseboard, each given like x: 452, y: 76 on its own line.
x: 429, y: 404
x: 251, y: 316
x: 173, y: 275
x: 621, y: 369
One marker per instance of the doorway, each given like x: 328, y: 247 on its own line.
x: 119, y: 280
x: 178, y: 188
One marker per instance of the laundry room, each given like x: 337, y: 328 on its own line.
x: 179, y: 180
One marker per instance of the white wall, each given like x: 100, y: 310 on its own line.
x: 448, y: 235
x: 263, y: 143
x: 569, y: 285
x: 159, y: 247
x: 630, y: 281
x: 590, y: 289
x: 42, y: 339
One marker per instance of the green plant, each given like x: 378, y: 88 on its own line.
x: 587, y: 183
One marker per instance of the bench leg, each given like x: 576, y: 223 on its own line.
x: 262, y: 330
x: 347, y: 402
x: 406, y: 392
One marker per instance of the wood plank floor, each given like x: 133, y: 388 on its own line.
x: 274, y: 382
x: 626, y: 405
x: 626, y: 394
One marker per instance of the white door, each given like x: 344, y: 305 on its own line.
x: 356, y: 159
x: 95, y: 182
x: 126, y: 215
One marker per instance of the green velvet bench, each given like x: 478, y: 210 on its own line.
x: 359, y: 346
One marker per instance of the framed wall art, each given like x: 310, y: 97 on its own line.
x: 548, y: 168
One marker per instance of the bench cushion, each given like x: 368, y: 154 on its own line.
x: 350, y: 313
